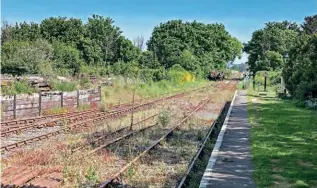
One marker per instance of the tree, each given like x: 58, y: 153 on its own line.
x: 103, y: 33
x: 148, y: 60
x: 310, y: 24
x: 271, y: 61
x: 126, y: 50
x: 66, y: 58
x: 169, y: 40
x: 139, y: 42
x: 20, y: 32
x: 188, y: 61
x: 6, y: 32
x: 62, y: 29
x: 276, y: 37
x: 299, y: 72
x: 25, y: 57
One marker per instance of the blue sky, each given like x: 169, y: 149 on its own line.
x: 139, y: 17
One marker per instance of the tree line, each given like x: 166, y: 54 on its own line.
x: 288, y: 48
x: 67, y: 46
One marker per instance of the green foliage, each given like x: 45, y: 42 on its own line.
x: 189, y: 62
x: 84, y: 82
x: 147, y: 59
x: 164, y: 118
x: 66, y: 58
x: 149, y: 75
x: 300, y: 70
x: 69, y: 46
x: 62, y: 29
x: 63, y: 86
x: 96, y: 70
x: 25, y: 45
x: 310, y: 24
x: 273, y: 78
x: 267, y: 45
x: 25, y: 57
x: 126, y: 50
x: 270, y: 61
x: 175, y: 41
x: 18, y: 87
x: 91, y: 177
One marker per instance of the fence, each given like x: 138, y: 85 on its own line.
x: 24, y: 105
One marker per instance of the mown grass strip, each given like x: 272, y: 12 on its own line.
x: 284, y: 143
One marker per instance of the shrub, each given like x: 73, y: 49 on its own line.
x: 18, y: 87
x: 63, y: 86
x: 164, y: 118
x: 273, y: 78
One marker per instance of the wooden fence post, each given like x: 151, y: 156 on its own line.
x: 62, y: 97
x: 14, y: 106
x: 40, y: 103
x: 77, y: 98
x: 99, y: 89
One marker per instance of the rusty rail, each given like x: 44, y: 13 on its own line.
x: 112, y: 133
x: 120, y: 138
x: 32, y: 120
x: 116, y: 176
x: 85, y: 123
x: 194, y: 159
x: 66, y: 118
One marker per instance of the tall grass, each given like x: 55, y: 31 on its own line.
x: 63, y: 86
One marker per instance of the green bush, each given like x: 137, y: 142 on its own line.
x: 273, y: 78
x: 299, y: 72
x: 164, y: 118
x: 63, y: 86
x: 96, y: 70
x: 149, y: 75
x: 18, y: 87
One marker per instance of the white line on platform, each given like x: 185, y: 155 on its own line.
x: 215, y: 151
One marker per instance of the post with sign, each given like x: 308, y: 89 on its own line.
x: 265, y: 76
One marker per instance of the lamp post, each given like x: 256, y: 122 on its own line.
x: 285, y: 57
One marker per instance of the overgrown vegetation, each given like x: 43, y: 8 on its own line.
x: 18, y: 87
x: 285, y: 47
x: 164, y: 118
x: 63, y: 86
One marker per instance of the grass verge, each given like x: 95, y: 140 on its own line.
x: 284, y: 142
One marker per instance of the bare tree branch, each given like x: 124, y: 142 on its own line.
x: 139, y: 42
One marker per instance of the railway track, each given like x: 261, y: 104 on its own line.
x: 79, y: 121
x: 17, y: 126
x: 100, y: 139
x: 29, y: 121
x: 14, y: 126
x: 52, y: 178
x: 101, y: 142
x: 112, y: 182
x: 30, y: 174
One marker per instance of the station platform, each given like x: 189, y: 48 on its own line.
x: 230, y: 163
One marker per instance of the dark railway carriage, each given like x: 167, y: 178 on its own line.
x: 216, y: 75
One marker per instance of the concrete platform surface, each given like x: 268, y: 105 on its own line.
x: 230, y: 165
